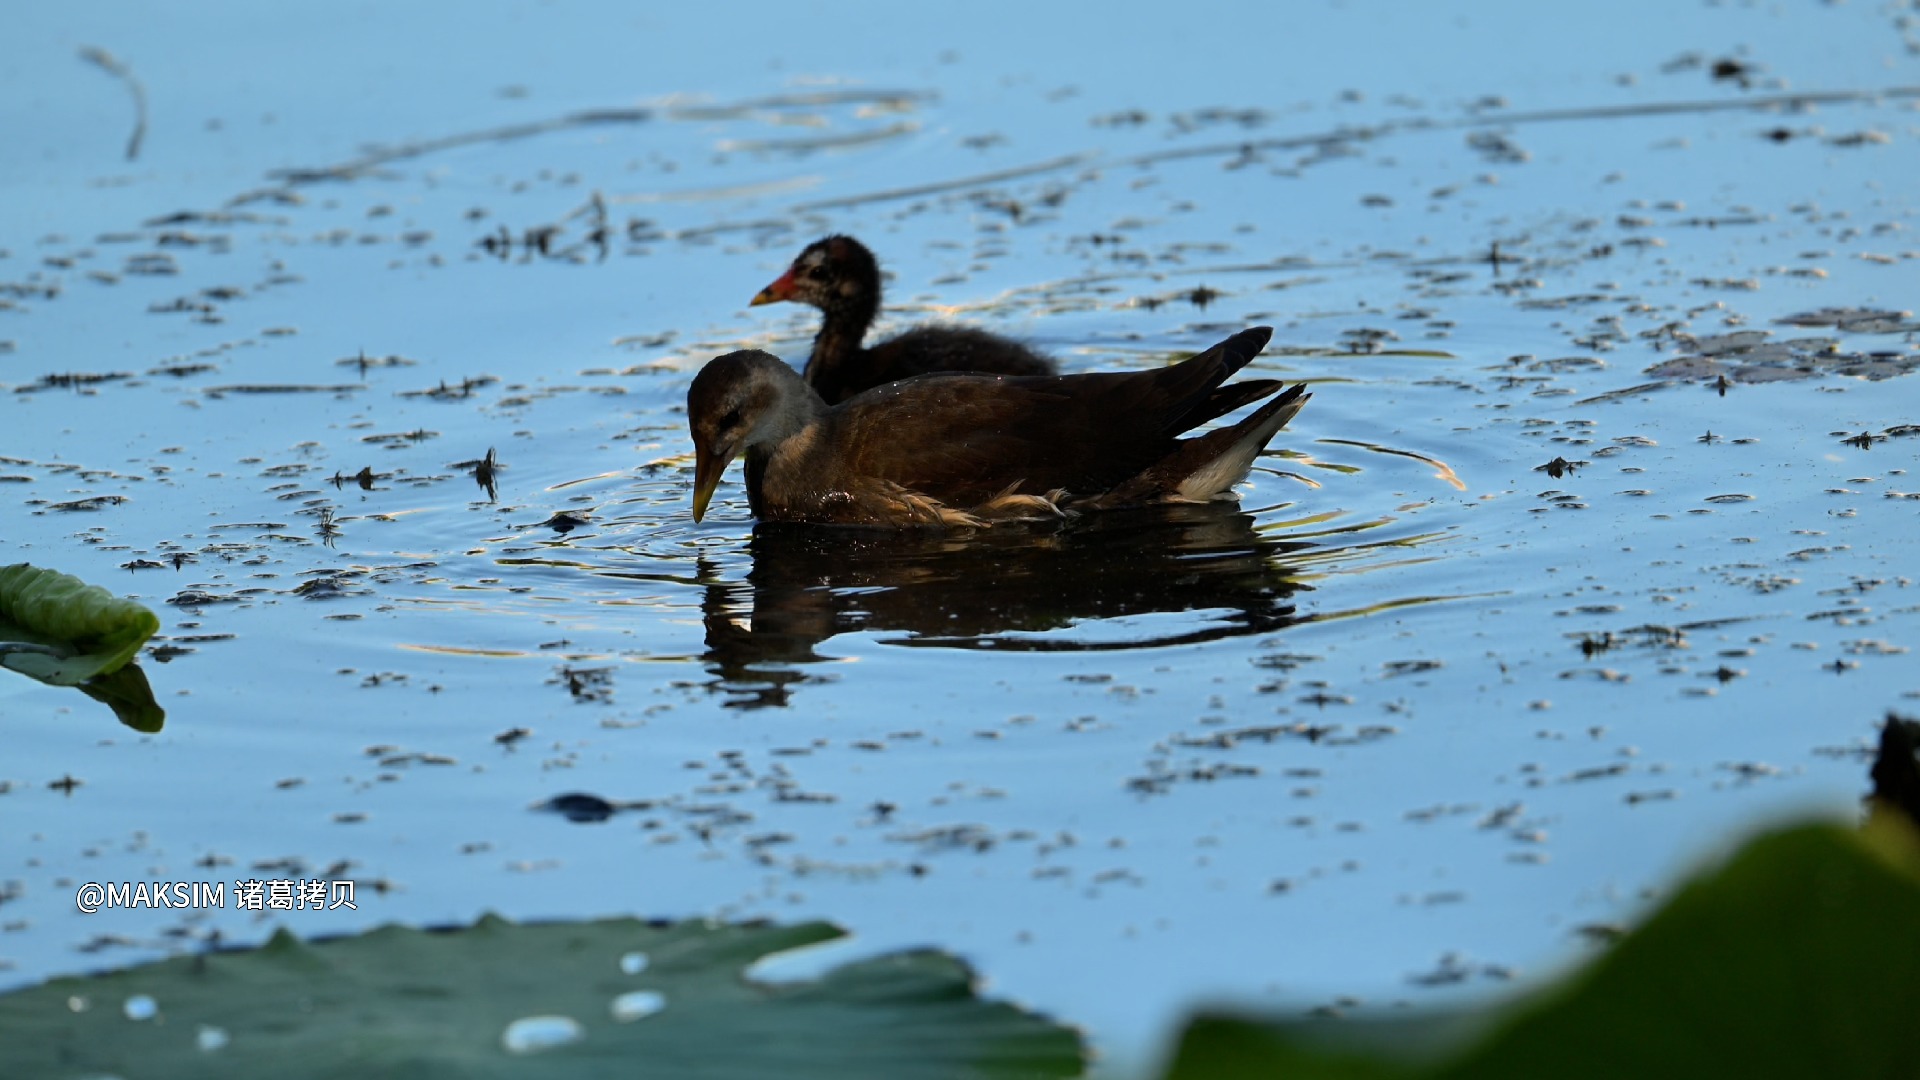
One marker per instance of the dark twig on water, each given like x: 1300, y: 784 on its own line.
x: 111, y: 64
x: 944, y: 186
x: 379, y: 156
x: 1350, y: 134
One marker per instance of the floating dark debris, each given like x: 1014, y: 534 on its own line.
x: 323, y: 588
x: 459, y: 391
x: 365, y: 478
x: 1367, y: 339
x: 1596, y: 772
x: 415, y: 757
x: 580, y: 807
x: 325, y: 528
x: 182, y: 370
x: 1861, y: 138
x: 1453, y: 969
x: 1648, y: 636
x: 586, y: 685
x: 199, y: 597
x: 1734, y: 71
x: 484, y: 474
x: 963, y: 837
x: 283, y: 388
x: 151, y: 264
x: 365, y: 362
x: 1556, y: 303
x: 1497, y: 148
x: 97, y: 502
x: 1855, y: 320
x: 182, y: 305
x: 645, y: 341
x: 195, y: 217
x: 395, y: 439
x: 1740, y: 359
x: 73, y: 380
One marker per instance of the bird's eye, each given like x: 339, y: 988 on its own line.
x: 817, y: 271
x: 731, y: 420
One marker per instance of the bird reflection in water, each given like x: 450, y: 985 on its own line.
x: 1019, y: 589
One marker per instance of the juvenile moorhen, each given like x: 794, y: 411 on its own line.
x: 966, y: 449
x: 838, y: 275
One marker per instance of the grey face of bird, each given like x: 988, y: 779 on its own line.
x: 736, y: 399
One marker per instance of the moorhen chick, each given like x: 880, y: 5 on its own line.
x: 957, y: 449
x: 838, y: 275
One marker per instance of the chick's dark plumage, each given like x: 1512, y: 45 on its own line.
x: 840, y: 276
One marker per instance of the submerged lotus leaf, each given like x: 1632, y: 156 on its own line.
x: 1800, y: 957
x: 500, y: 999
x: 61, y: 630
x: 128, y: 694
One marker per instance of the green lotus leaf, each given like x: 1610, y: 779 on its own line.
x: 1800, y: 957
x: 615, y: 997
x: 61, y: 630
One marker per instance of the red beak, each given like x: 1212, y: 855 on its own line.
x: 781, y: 289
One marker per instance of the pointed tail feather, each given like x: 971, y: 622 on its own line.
x: 1243, y: 443
x: 1193, y: 384
x: 1209, y: 465
x: 1244, y: 346
x: 1231, y: 397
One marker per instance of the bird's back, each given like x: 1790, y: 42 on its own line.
x: 840, y: 374
x: 963, y: 438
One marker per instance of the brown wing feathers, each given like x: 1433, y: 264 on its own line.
x: 970, y: 437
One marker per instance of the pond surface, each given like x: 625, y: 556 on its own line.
x: 1592, y: 554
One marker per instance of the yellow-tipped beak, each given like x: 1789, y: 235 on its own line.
x: 706, y: 477
x: 781, y: 289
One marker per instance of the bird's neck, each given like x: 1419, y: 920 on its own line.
x: 844, y: 328
x: 795, y: 408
